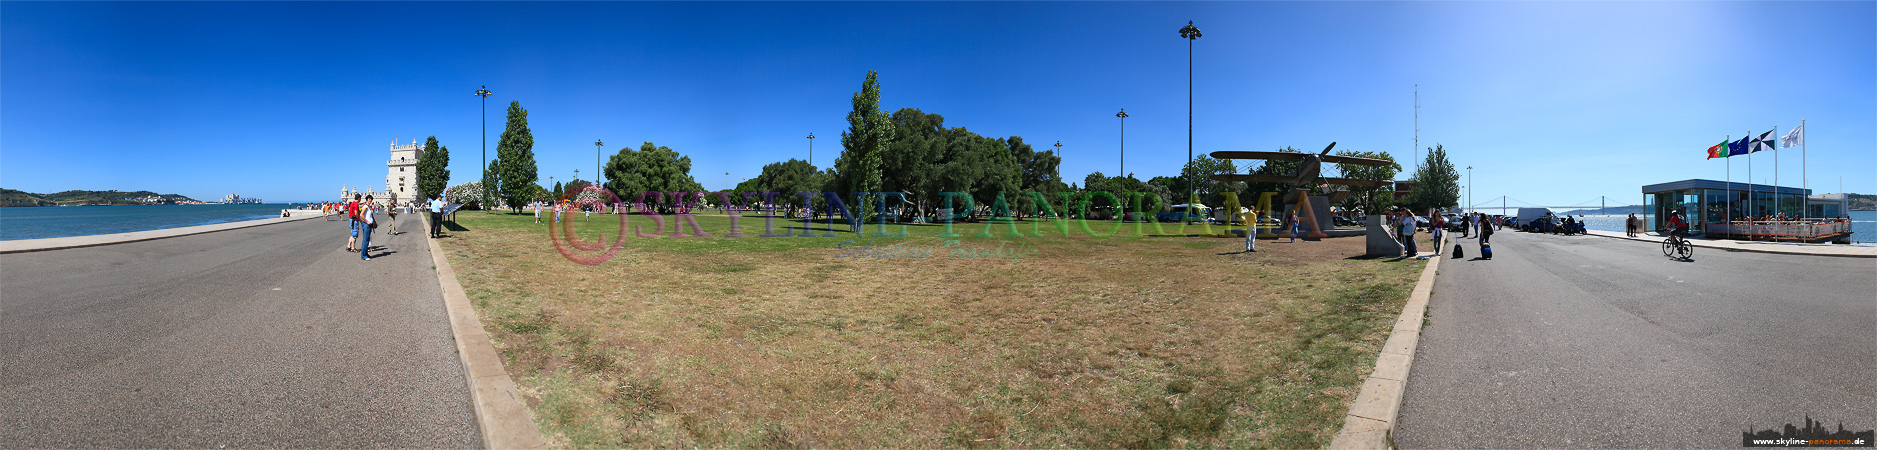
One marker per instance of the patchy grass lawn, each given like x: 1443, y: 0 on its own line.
x: 1125, y: 341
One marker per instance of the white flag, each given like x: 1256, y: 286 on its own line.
x: 1793, y: 138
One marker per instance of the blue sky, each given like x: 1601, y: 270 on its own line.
x: 1553, y: 103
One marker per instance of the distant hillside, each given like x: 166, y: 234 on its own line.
x: 13, y: 197
x: 1862, y: 202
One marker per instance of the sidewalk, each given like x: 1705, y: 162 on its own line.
x: 1788, y: 248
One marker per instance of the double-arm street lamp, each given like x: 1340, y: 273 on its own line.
x: 596, y: 160
x: 484, y: 93
x: 811, y: 149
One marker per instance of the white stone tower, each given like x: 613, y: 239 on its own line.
x: 401, y: 171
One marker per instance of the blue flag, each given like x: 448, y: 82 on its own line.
x: 1739, y: 147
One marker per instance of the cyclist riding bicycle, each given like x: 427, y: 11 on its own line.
x: 1676, y: 226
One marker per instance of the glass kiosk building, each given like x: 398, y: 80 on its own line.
x: 1713, y: 201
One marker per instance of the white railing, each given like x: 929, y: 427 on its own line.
x: 1788, y: 229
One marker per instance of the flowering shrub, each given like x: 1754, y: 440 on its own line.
x: 468, y: 194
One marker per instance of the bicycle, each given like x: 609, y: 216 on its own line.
x: 1678, y: 248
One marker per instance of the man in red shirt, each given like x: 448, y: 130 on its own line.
x: 351, y: 219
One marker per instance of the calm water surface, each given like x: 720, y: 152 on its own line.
x: 41, y: 222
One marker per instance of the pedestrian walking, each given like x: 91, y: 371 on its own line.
x: 1437, y: 225
x: 1251, y: 232
x: 1407, y: 235
x: 1290, y: 221
x: 1485, y: 234
x: 367, y: 221
x: 391, y: 213
x: 436, y: 216
x: 537, y: 212
x: 1629, y: 225
x: 351, y: 219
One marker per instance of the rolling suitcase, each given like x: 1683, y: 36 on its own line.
x: 1457, y: 253
x: 1485, y: 251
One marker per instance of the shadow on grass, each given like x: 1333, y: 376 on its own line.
x: 1375, y: 257
x: 453, y: 226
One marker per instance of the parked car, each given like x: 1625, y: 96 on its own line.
x: 1185, y: 213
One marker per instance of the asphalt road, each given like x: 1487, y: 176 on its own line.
x: 269, y: 336
x: 1591, y: 342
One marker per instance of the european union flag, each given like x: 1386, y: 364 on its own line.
x: 1739, y: 147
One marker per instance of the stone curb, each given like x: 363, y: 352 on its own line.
x: 500, y: 414
x: 1698, y: 243
x: 40, y: 245
x: 1372, y: 416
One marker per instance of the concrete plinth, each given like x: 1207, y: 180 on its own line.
x: 1382, y: 242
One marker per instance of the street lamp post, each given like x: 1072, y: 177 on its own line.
x: 1469, y: 189
x: 1058, y: 149
x: 1191, y: 33
x: 596, y: 161
x: 484, y: 93
x: 811, y: 149
x: 1124, y: 141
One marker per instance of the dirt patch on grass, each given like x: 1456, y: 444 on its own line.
x: 774, y: 342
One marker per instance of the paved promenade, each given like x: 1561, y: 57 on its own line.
x: 268, y: 336
x: 1789, y: 248
x: 1587, y: 341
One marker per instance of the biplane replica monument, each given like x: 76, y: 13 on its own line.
x: 1314, y: 210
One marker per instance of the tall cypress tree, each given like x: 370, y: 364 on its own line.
x: 868, y: 130
x: 516, y: 151
x: 433, y: 169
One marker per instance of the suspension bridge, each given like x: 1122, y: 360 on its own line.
x: 1503, y: 204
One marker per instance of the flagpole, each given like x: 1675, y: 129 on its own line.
x: 1729, y: 214
x: 1775, y: 171
x: 1804, y: 183
x: 1751, y: 191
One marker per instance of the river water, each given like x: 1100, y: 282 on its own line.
x: 1863, y: 225
x: 39, y: 222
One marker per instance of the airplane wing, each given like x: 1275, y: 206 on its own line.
x: 1353, y: 182
x: 1259, y: 155
x: 1354, y: 160
x: 1256, y: 178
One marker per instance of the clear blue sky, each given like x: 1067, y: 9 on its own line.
x: 1552, y: 103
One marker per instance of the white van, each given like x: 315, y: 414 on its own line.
x: 1527, y: 215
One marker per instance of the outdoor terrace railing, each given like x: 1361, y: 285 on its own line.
x: 1805, y: 230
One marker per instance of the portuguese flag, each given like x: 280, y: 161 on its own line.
x: 1718, y: 150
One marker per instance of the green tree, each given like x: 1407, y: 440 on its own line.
x: 863, y: 145
x: 490, y: 190
x: 1369, y: 199
x: 433, y: 169
x: 650, y: 168
x: 1037, y: 171
x: 1199, y: 173
x: 1437, y: 183
x: 559, y: 193
x: 516, y: 151
x: 788, y: 179
x: 574, y: 186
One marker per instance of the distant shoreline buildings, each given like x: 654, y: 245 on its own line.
x: 234, y: 199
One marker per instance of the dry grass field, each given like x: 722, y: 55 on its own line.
x: 1118, y: 342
